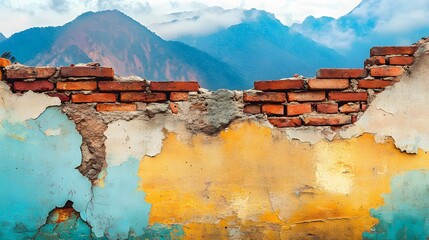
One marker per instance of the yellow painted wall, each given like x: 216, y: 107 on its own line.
x: 248, y: 183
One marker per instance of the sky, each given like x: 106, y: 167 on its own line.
x: 23, y: 14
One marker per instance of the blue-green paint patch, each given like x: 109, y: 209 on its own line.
x: 406, y: 211
x: 38, y: 173
x: 119, y: 206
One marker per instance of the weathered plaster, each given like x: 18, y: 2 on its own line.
x: 286, y: 188
x: 401, y: 112
x: 38, y: 172
x: 30, y: 105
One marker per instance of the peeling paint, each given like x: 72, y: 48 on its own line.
x: 38, y: 174
x: 15, y: 109
x: 401, y: 111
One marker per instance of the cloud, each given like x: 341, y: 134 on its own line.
x: 198, y: 23
x: 60, y: 6
x: 395, y: 16
x: 330, y: 35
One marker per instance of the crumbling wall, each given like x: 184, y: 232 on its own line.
x: 300, y: 158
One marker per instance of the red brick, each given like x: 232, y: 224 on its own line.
x: 174, y: 108
x: 76, y: 86
x: 306, y: 96
x: 387, y: 71
x: 4, y: 62
x: 89, y: 71
x: 364, y: 106
x: 282, y: 122
x: 116, y: 107
x: 62, y: 96
x: 36, y: 86
x: 179, y: 96
x: 298, y: 109
x: 112, y: 86
x: 402, y: 50
x: 401, y: 60
x: 342, y: 73
x: 273, y: 109
x: 350, y: 108
x: 30, y: 72
x: 375, y: 60
x: 252, y: 109
x: 354, y: 118
x: 327, y: 107
x: 327, y: 120
x: 320, y: 84
x: 366, y: 84
x: 348, y: 96
x: 279, y: 85
x: 264, y: 97
x: 94, y: 97
x: 143, y: 97
x: 174, y: 86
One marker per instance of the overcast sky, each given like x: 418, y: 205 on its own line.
x: 19, y: 15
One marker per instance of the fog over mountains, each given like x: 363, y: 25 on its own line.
x: 222, y: 48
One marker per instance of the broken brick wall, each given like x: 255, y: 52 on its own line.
x: 325, y: 157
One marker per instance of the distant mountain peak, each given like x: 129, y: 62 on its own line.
x: 2, y: 38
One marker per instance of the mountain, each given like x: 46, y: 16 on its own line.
x: 114, y: 39
x: 371, y: 23
x: 261, y: 47
x: 2, y: 37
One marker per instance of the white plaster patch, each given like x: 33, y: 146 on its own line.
x: 30, y: 105
x: 310, y: 135
x: 53, y: 132
x: 400, y: 112
x: 135, y: 138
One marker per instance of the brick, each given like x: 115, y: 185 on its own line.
x: 87, y: 71
x: 387, y: 71
x: 348, y: 96
x: 298, y: 109
x: 327, y: 120
x: 279, y: 85
x: 264, y: 97
x: 62, y: 96
x: 342, y: 73
x: 364, y: 106
x: 143, y: 97
x: 401, y: 60
x: 30, y: 72
x: 116, y: 107
x: 273, y: 109
x: 77, y: 86
x: 94, y: 97
x: 113, y: 86
x: 35, y: 86
x: 179, y: 96
x: 252, y: 109
x: 174, y: 86
x: 282, y: 122
x: 370, y: 84
x: 306, y: 96
x: 354, y: 118
x: 4, y: 62
x: 375, y: 60
x: 350, y: 108
x: 327, y: 107
x: 320, y: 84
x: 401, y: 50
x: 174, y: 108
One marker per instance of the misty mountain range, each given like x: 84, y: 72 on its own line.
x: 249, y: 45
